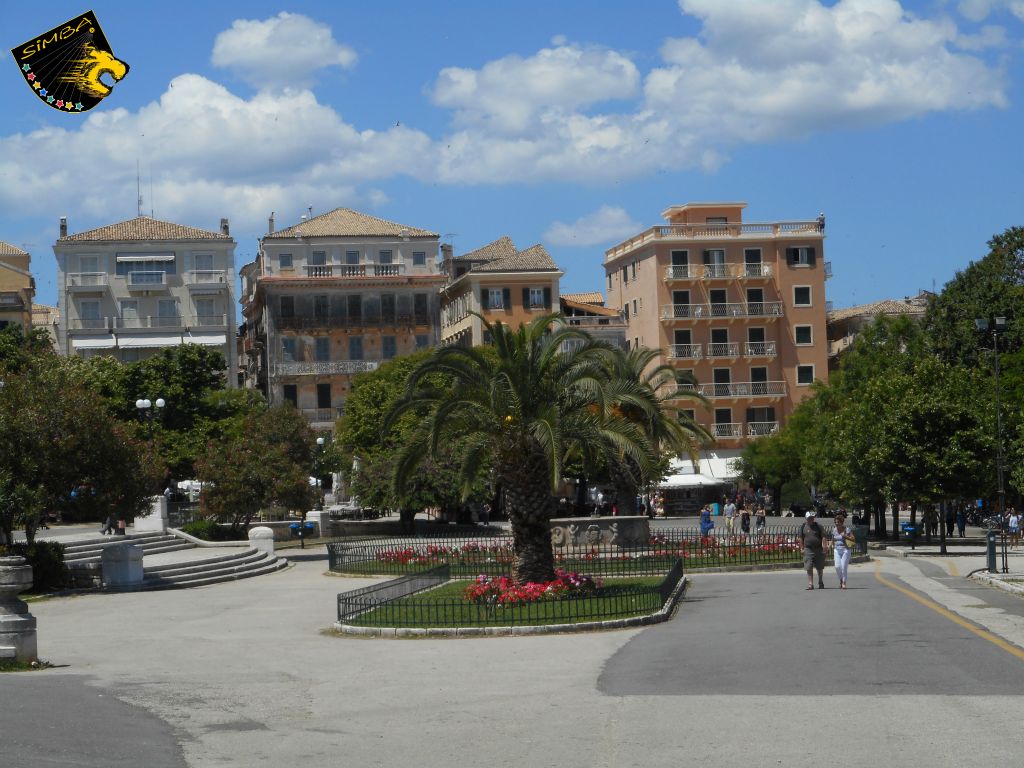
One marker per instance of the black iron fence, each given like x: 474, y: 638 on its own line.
x: 181, y: 513
x: 395, y: 604
x: 493, y: 555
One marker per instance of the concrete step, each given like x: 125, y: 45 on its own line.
x: 243, y: 557
x: 149, y: 543
x: 259, y: 567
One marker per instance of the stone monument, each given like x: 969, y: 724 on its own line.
x: 17, y: 625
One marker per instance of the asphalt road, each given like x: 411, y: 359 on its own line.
x: 752, y: 671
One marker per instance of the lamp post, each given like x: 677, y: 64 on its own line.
x: 996, y: 327
x: 148, y: 409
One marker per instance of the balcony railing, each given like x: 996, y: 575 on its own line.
x: 762, y: 428
x: 88, y: 280
x: 764, y: 309
x: 322, y: 415
x: 350, y: 321
x: 685, y: 351
x: 757, y: 270
x: 737, y: 389
x: 324, y: 367
x: 354, y: 270
x: 90, y: 323
x: 759, y: 349
x: 752, y: 231
x: 208, y: 321
x: 730, y: 349
x: 206, y: 277
x: 678, y: 272
x: 828, y: 269
x: 157, y: 321
x: 715, y: 271
x: 592, y: 321
x: 727, y: 431
x: 698, y: 311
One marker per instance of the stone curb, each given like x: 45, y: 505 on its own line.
x: 769, y: 566
x: 999, y: 583
x: 663, y: 614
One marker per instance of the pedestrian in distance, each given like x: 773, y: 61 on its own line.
x: 961, y: 521
x: 730, y: 514
x: 1014, y: 526
x: 706, y: 523
x: 812, y: 536
x: 759, y: 518
x: 842, y: 546
x: 745, y: 520
x: 108, y: 525
x: 485, y: 514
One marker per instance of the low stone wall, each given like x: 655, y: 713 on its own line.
x: 282, y: 529
x: 632, y: 531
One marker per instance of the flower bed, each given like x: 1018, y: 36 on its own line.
x: 501, y: 590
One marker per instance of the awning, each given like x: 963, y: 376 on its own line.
x: 212, y: 339
x: 690, y: 480
x: 104, y: 341
x: 125, y: 341
x: 713, y: 468
x: 145, y: 257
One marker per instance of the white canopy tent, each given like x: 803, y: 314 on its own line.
x: 712, y: 468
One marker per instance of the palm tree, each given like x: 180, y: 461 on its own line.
x: 524, y: 403
x: 646, y: 394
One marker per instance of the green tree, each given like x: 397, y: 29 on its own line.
x: 524, y: 407
x: 264, y: 460
x: 18, y: 350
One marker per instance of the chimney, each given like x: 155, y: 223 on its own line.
x: 224, y: 229
x: 63, y: 226
x: 446, y: 251
x: 270, y: 224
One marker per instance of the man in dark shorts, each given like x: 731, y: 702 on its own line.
x: 812, y: 536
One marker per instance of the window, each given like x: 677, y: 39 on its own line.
x: 387, y: 307
x: 804, y: 375
x: 323, y: 395
x: 206, y: 311
x: 355, y: 308
x: 535, y: 298
x: 288, y: 348
x: 716, y: 220
x: 384, y: 257
x: 153, y: 267
x: 625, y: 275
x: 634, y: 307
x: 422, y: 341
x: 801, y: 295
x: 351, y: 257
x: 802, y: 256
x: 625, y: 310
x: 632, y: 269
x: 320, y: 306
x: 680, y: 258
x: 714, y: 257
x: 419, y: 308
x: 389, y: 347
x: 803, y: 334
x: 419, y: 258
x: 88, y: 264
x: 167, y: 313
x: 318, y: 259
x: 291, y: 394
x: 495, y: 298
x: 355, y: 347
x: 287, y: 306
x: 322, y: 349
x: 129, y: 313
x: 687, y: 415
x: 89, y: 314
x: 130, y: 355
x: 609, y: 281
x: 285, y: 260
x: 203, y: 262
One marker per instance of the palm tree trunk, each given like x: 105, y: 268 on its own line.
x: 530, y: 508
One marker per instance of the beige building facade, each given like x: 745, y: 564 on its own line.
x: 333, y: 296
x: 739, y: 307
x: 17, y: 287
x: 128, y: 290
x: 496, y: 283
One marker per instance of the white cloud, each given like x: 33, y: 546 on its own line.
x: 979, y: 10
x: 989, y: 36
x: 606, y: 224
x: 510, y: 95
x: 283, y: 51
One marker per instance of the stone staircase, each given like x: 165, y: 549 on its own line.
x: 83, y: 561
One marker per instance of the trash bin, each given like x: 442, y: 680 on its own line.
x: 860, y: 534
x: 990, y: 549
x: 908, y: 531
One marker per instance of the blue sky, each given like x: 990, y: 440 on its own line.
x: 571, y: 124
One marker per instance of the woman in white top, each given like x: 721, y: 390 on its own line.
x: 842, y: 543
x: 1014, y: 526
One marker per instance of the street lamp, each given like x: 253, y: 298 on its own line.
x: 996, y: 327
x: 147, y: 411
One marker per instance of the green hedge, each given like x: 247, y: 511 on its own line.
x: 209, y: 530
x: 47, y: 560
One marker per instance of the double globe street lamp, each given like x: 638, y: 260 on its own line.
x: 148, y: 409
x: 997, y: 326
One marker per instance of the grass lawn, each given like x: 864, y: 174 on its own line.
x: 445, y: 606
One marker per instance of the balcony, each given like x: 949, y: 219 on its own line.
x: 728, y: 310
x: 88, y: 282
x: 679, y: 272
x: 704, y: 232
x: 90, y: 323
x: 684, y: 352
x: 208, y: 321
x: 727, y: 431
x: 206, y: 278
x: 717, y: 271
x: 11, y: 300
x: 753, y: 271
x: 737, y: 389
x: 828, y: 269
x: 152, y: 321
x: 324, y: 367
x: 759, y: 349
x: 354, y: 270
x: 147, y: 281
x: 764, y: 309
x: 326, y: 322
x: 731, y: 349
x: 322, y: 415
x: 585, y: 321
x: 762, y: 428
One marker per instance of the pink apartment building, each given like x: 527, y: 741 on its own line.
x: 738, y: 306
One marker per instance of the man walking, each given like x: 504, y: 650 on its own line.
x: 730, y: 515
x: 812, y: 536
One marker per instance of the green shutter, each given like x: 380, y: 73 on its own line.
x: 506, y: 295
x: 810, y: 256
x: 792, y: 255
x: 526, y: 298
x: 547, y: 298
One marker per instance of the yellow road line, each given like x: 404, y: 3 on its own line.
x: 927, y: 603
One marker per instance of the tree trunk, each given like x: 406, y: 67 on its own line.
x: 880, y: 527
x: 895, y: 522
x: 407, y: 520
x: 530, y: 507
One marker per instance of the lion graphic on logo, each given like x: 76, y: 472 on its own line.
x: 85, y: 73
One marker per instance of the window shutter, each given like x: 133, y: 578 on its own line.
x: 810, y: 256
x: 526, y: 298
x: 707, y: 257
x: 506, y: 295
x: 547, y: 298
x: 485, y: 302
x: 792, y: 255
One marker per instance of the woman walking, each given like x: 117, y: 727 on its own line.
x: 842, y: 543
x: 1014, y: 523
x: 706, y: 523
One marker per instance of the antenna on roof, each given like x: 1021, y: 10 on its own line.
x: 310, y: 209
x: 451, y: 235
